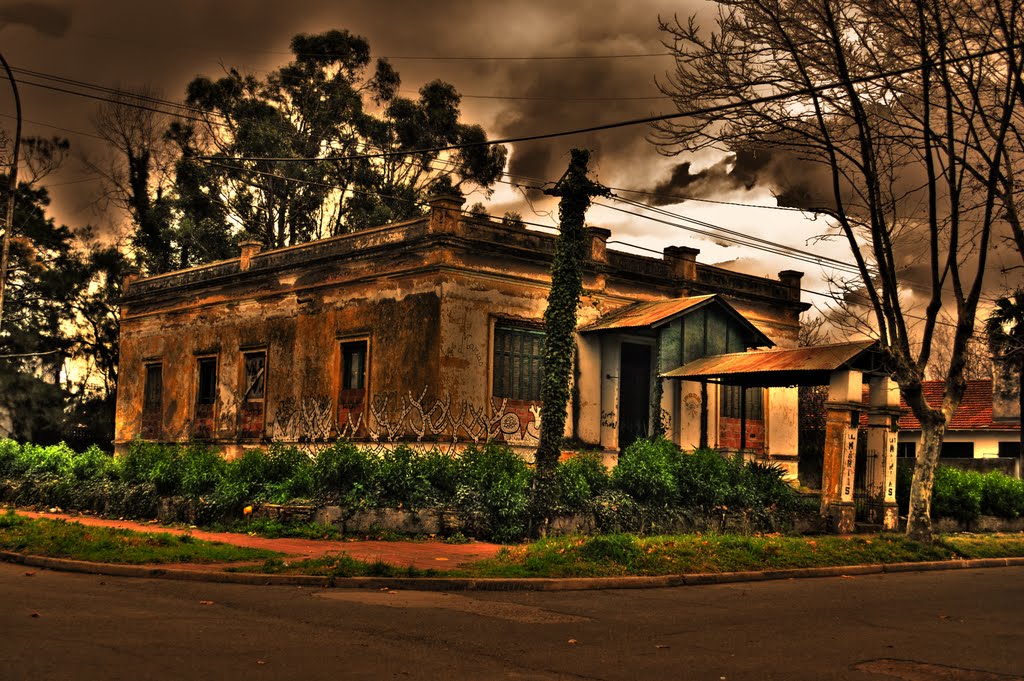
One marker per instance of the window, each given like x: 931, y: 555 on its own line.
x: 517, y: 362
x: 206, y: 392
x: 254, y: 371
x: 352, y: 396
x: 152, y: 402
x: 353, y: 362
x: 1009, y: 449
x: 206, y: 397
x: 906, y: 450
x: 730, y: 402
x: 957, y: 450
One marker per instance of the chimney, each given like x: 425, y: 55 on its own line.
x: 1005, y: 392
x: 791, y: 278
x: 682, y: 262
x: 445, y: 214
x: 249, y: 249
x: 598, y: 251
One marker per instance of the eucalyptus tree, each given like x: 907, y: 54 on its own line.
x: 325, y: 144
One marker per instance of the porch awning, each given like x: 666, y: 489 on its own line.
x: 768, y: 368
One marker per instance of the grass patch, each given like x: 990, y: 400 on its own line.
x: 1000, y: 545
x: 337, y: 565
x: 63, y: 539
x: 623, y: 554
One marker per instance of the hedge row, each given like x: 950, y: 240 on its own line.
x: 654, y: 485
x: 965, y: 495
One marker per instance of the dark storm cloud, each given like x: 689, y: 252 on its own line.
x: 795, y: 182
x: 45, y: 18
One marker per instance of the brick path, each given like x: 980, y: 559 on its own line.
x: 419, y: 554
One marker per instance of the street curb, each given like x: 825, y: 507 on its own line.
x: 497, y: 583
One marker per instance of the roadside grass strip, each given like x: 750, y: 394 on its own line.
x: 334, y: 565
x: 63, y: 539
x: 620, y: 555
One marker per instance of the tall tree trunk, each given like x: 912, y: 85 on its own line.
x: 575, y: 190
x: 919, y: 523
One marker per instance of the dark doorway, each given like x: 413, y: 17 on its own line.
x: 634, y: 393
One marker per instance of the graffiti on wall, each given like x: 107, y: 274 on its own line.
x: 391, y: 417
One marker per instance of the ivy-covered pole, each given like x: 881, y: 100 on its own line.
x: 576, y: 191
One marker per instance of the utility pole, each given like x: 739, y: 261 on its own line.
x: 576, y: 191
x: 12, y: 187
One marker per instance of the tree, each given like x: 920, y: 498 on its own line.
x: 138, y: 175
x: 46, y: 277
x: 358, y: 141
x: 1005, y: 330
x: 910, y: 108
x: 576, y: 191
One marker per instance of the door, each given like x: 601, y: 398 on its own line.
x: 634, y: 393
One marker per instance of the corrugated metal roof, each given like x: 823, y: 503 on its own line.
x: 647, y: 314
x: 813, y: 360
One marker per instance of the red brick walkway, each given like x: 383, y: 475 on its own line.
x: 419, y: 554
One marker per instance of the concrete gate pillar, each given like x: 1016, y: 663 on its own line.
x: 837, y: 473
x: 883, y: 415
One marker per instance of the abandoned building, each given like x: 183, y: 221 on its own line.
x: 429, y: 331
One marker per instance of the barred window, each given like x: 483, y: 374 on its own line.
x: 517, y: 362
x: 730, y: 402
x: 152, y: 402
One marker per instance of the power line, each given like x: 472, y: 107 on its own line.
x: 701, y: 111
x: 56, y: 127
x: 87, y: 95
x: 126, y: 94
x: 398, y: 57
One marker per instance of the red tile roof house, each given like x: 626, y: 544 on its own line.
x: 975, y: 432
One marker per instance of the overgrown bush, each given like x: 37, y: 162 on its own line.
x: 647, y: 472
x: 1001, y: 495
x: 495, y: 490
x: 345, y: 474
x: 580, y: 479
x: 957, y: 494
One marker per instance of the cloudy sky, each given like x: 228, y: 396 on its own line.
x: 503, y: 58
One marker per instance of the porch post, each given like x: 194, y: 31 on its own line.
x: 837, y: 475
x: 883, y: 412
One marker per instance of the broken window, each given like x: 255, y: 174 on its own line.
x: 352, y: 396
x: 206, y: 397
x: 518, y: 352
x: 152, y: 402
x: 254, y: 368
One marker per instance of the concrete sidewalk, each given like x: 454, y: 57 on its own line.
x: 419, y: 554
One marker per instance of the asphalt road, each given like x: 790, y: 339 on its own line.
x: 966, y: 625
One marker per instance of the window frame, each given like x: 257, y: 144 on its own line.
x: 152, y: 411
x: 517, y: 361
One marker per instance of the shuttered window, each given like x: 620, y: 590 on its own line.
x: 517, y: 362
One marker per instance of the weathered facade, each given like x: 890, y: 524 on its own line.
x: 429, y: 331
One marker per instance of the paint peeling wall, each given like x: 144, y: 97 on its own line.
x: 424, y: 295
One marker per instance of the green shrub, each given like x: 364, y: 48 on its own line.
x: 402, y: 478
x: 443, y: 473
x: 1001, y: 495
x: 54, y: 461
x: 346, y: 474
x: 647, y: 472
x: 10, y: 457
x: 956, y: 494
x: 94, y: 464
x: 580, y: 479
x: 496, y: 489
x: 199, y: 470
x: 146, y: 462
